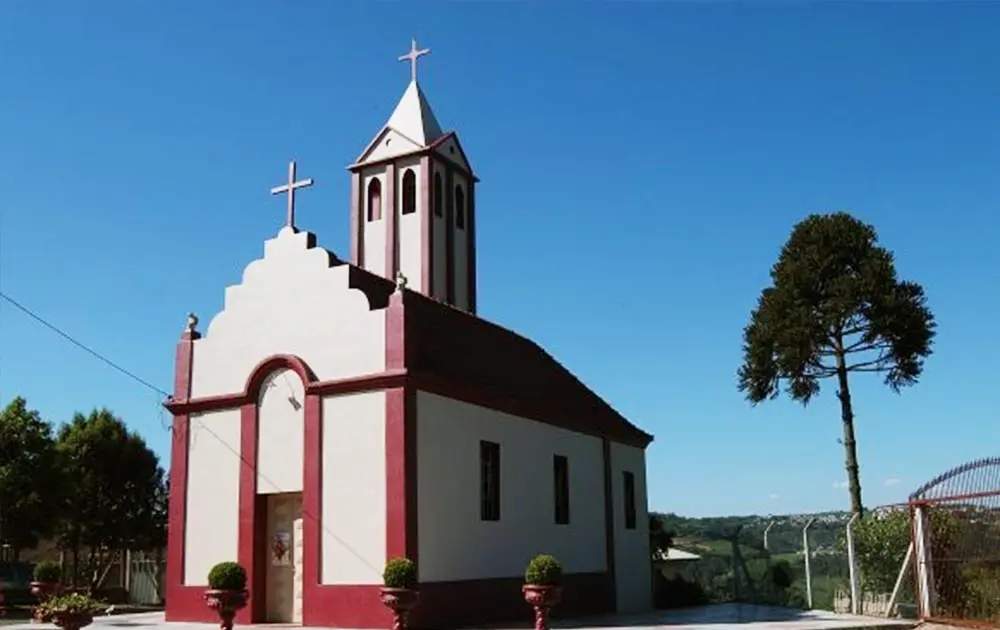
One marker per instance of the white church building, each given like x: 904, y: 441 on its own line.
x: 339, y: 413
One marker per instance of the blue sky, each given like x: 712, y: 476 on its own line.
x: 641, y: 165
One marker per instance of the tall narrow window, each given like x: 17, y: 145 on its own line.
x: 459, y: 208
x: 560, y: 474
x: 628, y: 496
x: 438, y: 196
x: 489, y: 481
x: 409, y: 191
x: 374, y: 199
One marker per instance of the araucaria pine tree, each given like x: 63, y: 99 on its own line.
x: 835, y: 308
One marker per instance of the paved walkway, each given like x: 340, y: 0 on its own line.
x: 718, y: 617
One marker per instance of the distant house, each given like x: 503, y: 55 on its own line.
x: 676, y: 562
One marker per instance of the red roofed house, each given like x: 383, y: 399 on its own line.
x: 328, y: 420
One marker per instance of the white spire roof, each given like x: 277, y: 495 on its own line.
x: 413, y: 117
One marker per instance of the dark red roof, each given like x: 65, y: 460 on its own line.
x: 454, y: 345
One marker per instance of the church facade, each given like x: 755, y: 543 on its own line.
x: 336, y: 414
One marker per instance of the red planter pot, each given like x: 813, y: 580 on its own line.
x: 45, y: 590
x: 542, y: 598
x: 72, y: 620
x: 226, y: 604
x: 400, y: 601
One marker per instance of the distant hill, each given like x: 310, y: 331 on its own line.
x: 713, y: 534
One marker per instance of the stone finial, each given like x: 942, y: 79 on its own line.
x: 192, y: 324
x: 400, y: 281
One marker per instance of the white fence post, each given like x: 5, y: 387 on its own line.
x: 852, y: 568
x: 805, y: 554
x: 925, y: 572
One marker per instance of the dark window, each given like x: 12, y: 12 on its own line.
x: 629, y: 498
x: 438, y: 196
x: 459, y: 208
x: 560, y: 474
x: 374, y: 200
x: 489, y: 481
x: 409, y: 191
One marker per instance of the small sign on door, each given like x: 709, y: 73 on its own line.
x: 281, y: 549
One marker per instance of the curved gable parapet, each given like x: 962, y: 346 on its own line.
x: 299, y: 299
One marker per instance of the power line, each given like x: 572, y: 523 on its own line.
x: 38, y: 318
x: 201, y: 425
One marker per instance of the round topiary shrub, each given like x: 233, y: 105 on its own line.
x: 48, y: 572
x: 400, y: 573
x: 227, y: 576
x: 543, y: 570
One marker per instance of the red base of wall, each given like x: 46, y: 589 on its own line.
x: 442, y: 604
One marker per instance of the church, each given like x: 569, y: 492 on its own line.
x: 339, y: 413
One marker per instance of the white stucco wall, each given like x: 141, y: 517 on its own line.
x: 289, y: 302
x: 455, y: 544
x: 211, y: 531
x: 410, y: 236
x: 280, y: 433
x: 353, y: 498
x: 374, y: 232
x: 449, y: 150
x: 632, y: 556
x: 390, y: 143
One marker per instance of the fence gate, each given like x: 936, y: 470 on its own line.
x: 145, y: 579
x: 956, y: 539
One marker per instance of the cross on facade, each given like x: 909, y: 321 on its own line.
x: 412, y: 56
x: 289, y: 189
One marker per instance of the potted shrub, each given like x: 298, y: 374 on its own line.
x: 47, y: 582
x: 227, y: 591
x: 399, y: 591
x: 542, y: 587
x: 71, y: 611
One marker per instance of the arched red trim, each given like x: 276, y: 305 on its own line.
x: 266, y: 367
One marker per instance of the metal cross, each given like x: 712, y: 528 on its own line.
x: 412, y: 56
x: 289, y: 189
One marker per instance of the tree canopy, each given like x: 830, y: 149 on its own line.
x: 95, y: 485
x: 835, y: 307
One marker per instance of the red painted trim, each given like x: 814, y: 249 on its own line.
x: 449, y: 234
x: 392, y: 222
x: 357, y: 220
x: 248, y: 545
x: 426, y: 226
x: 476, y: 603
x: 177, y: 508
x: 470, y: 239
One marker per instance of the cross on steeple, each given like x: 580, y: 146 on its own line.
x: 412, y: 56
x: 289, y: 189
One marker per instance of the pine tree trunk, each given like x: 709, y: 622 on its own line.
x: 850, y: 444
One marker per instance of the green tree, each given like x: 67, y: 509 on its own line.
x: 28, y: 477
x: 118, y: 497
x: 835, y: 307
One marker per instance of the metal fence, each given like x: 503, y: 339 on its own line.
x: 956, y: 539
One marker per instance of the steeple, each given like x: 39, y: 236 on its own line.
x: 413, y: 202
x: 414, y: 118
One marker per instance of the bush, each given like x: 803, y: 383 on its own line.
x: 677, y: 593
x: 227, y: 576
x: 400, y: 573
x: 48, y: 572
x: 72, y: 603
x: 543, y: 570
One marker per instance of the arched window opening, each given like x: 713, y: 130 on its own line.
x: 438, y: 196
x: 374, y: 199
x: 409, y: 191
x: 459, y: 208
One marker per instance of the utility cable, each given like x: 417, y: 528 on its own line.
x: 201, y: 425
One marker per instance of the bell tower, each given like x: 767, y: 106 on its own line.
x: 413, y: 208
